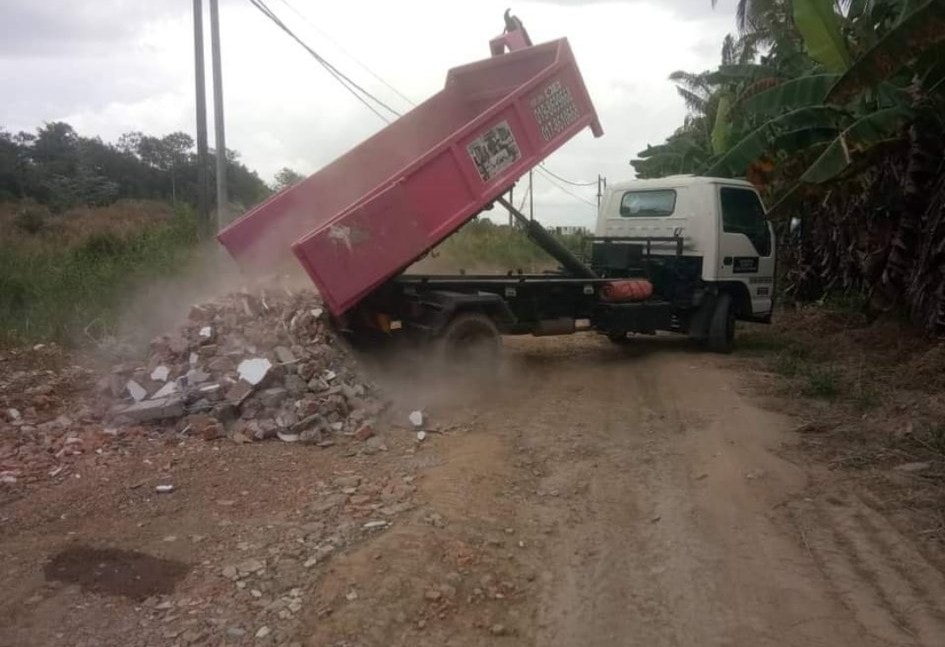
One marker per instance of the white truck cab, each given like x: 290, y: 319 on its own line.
x: 726, y: 237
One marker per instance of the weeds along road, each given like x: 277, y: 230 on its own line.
x: 592, y: 495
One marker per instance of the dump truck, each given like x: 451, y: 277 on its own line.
x: 688, y: 255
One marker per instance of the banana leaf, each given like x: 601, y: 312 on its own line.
x: 755, y: 144
x: 803, y: 138
x: 862, y: 135
x: 819, y: 25
x: 796, y: 93
x: 756, y: 87
x: 906, y: 42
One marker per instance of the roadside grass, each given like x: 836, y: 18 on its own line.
x: 66, y: 278
x: 794, y: 361
x: 482, y: 246
x: 879, y: 385
x: 801, y: 368
x: 822, y: 382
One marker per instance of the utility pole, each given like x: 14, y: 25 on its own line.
x: 531, y: 197
x: 601, y: 185
x: 222, y: 201
x: 203, y: 211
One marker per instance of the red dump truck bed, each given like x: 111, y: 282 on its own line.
x: 368, y: 215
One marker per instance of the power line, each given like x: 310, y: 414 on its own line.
x: 354, y: 88
x: 566, y: 181
x: 349, y: 85
x: 561, y: 188
x: 344, y: 51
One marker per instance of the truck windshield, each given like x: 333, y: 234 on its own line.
x: 647, y: 204
x: 742, y: 213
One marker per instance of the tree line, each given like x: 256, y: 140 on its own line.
x: 57, y: 167
x: 834, y: 110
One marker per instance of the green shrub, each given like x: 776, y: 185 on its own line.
x: 53, y: 292
x: 821, y: 382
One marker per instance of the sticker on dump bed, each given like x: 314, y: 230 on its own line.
x: 494, y: 151
x: 554, y: 110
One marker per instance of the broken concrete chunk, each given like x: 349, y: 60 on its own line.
x: 164, y: 489
x: 196, y: 376
x: 136, y: 391
x: 239, y: 392
x: 365, y: 432
x: 13, y: 415
x: 254, y: 370
x: 160, y: 374
x: 210, y: 392
x: 287, y: 436
x: 225, y: 411
x: 284, y: 355
x: 166, y: 390
x: 416, y: 418
x: 265, y: 430
x: 295, y: 385
x: 222, y: 364
x: 170, y: 407
x: 273, y: 397
x: 206, y: 332
x: 317, y: 385
x: 193, y: 359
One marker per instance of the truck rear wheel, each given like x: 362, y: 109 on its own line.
x: 722, y: 325
x: 471, y: 342
x: 619, y: 337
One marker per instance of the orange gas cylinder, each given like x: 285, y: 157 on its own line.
x: 626, y: 290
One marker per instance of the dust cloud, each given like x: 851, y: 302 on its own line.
x: 162, y: 305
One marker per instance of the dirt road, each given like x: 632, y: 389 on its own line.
x: 592, y: 495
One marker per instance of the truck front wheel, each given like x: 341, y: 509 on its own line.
x: 722, y: 325
x: 471, y: 342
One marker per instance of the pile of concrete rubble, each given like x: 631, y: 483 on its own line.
x: 251, y: 367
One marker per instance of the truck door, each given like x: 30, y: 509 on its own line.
x: 746, y: 246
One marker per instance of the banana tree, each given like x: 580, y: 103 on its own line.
x: 869, y: 109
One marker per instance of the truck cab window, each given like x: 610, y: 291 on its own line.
x: 647, y: 204
x: 742, y: 213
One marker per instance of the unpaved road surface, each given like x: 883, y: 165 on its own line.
x: 592, y: 495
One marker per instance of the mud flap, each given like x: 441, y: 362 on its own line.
x: 699, y: 322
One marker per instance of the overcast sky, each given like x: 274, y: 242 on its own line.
x: 110, y: 66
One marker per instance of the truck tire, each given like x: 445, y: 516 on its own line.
x: 470, y: 342
x: 619, y: 337
x: 722, y: 325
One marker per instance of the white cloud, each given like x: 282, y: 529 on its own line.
x: 283, y: 109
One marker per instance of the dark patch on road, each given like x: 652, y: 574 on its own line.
x: 115, y: 572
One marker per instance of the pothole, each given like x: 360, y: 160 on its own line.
x: 115, y: 572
